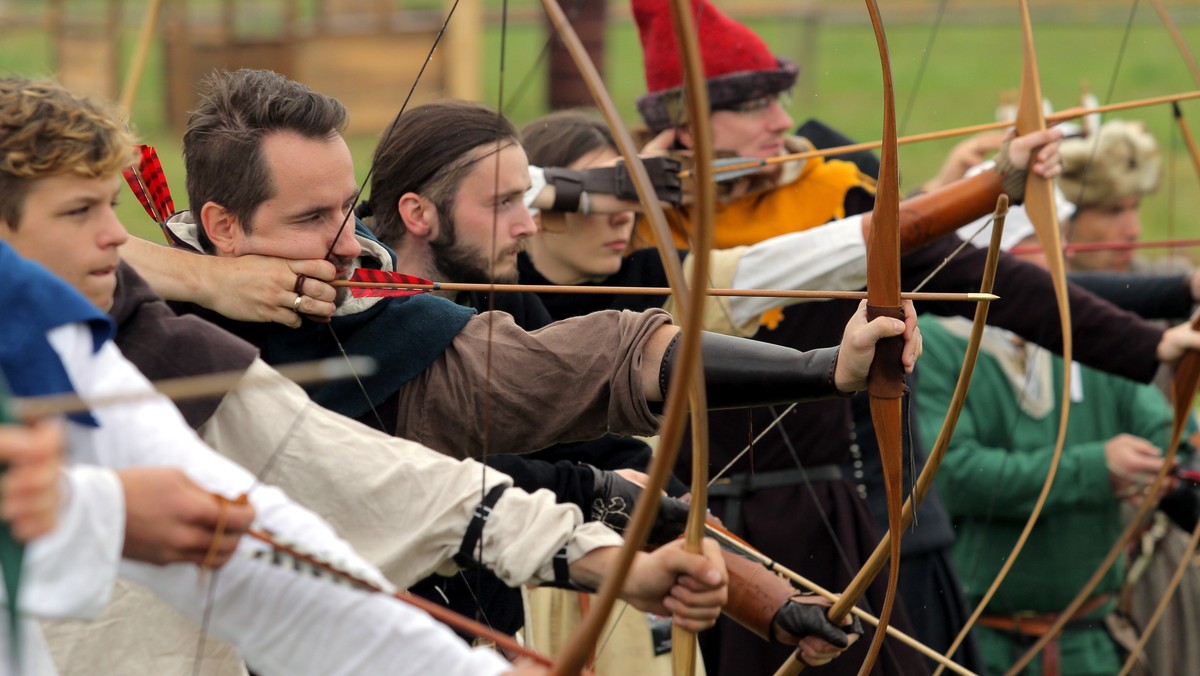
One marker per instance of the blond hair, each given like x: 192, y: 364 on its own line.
x: 47, y: 131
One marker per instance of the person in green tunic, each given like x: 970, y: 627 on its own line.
x: 994, y: 471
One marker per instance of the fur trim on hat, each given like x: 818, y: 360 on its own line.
x: 665, y: 109
x: 1120, y: 161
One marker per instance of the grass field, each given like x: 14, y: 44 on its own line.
x: 970, y: 65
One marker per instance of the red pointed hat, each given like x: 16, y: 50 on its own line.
x: 737, y: 63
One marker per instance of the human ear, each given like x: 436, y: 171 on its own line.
x: 224, y: 229
x: 419, y: 215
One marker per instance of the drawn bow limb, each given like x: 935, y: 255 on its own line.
x: 684, y: 384
x: 1186, y: 375
x: 886, y: 385
x: 683, y: 642
x: 1039, y: 205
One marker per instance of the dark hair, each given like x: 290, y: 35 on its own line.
x: 428, y: 152
x: 47, y: 131
x: 222, y: 147
x: 561, y: 138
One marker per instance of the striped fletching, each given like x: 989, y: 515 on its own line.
x: 149, y: 185
x: 388, y: 283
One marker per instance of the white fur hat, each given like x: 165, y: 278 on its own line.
x: 1120, y: 161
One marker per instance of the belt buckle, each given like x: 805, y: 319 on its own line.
x: 1023, y: 616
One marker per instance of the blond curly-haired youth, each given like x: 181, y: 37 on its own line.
x: 47, y: 131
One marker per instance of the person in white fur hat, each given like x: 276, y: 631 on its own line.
x: 1106, y: 176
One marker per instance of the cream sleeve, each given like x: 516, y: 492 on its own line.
x: 403, y: 506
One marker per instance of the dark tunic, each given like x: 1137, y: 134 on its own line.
x: 162, y: 344
x: 1150, y: 296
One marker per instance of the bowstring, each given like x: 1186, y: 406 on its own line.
x: 527, y: 80
x: 1108, y: 97
x: 912, y: 94
x: 358, y: 195
x: 491, y: 306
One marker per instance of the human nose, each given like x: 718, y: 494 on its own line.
x: 112, y: 231
x: 621, y: 219
x: 523, y: 225
x: 1133, y: 225
x: 778, y: 119
x: 347, y: 245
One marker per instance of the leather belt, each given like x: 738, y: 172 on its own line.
x: 734, y: 488
x: 1036, y: 625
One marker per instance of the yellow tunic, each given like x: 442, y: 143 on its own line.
x: 807, y: 194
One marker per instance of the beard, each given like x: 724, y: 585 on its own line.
x: 342, y: 263
x: 459, y: 262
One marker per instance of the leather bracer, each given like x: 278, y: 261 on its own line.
x: 740, y: 372
x: 933, y: 215
x: 755, y: 594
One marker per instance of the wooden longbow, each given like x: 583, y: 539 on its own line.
x: 684, y: 386
x: 1039, y: 204
x: 886, y: 385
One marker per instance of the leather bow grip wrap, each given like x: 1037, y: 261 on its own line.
x: 886, y: 378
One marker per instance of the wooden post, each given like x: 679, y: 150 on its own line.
x: 565, y: 86
x: 464, y: 50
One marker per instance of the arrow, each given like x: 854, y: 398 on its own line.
x: 366, y: 283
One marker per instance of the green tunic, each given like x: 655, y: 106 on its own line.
x: 995, y: 468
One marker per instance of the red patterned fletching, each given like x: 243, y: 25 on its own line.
x: 149, y: 184
x: 131, y: 177
x: 155, y: 179
x: 384, y: 277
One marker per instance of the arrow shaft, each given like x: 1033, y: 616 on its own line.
x: 660, y: 291
x: 1053, y: 118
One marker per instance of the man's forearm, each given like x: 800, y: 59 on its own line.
x: 174, y: 274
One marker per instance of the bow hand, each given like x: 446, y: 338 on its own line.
x: 169, y: 519
x: 859, y: 341
x: 803, y: 622
x: 29, y: 489
x: 1036, y: 151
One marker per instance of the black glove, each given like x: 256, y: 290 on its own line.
x: 664, y: 176
x: 613, y: 498
x: 806, y: 619
x: 1182, y: 505
x: 570, y: 184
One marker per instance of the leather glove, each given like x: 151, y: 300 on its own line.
x: 613, y: 499
x: 802, y: 620
x: 1182, y: 505
x: 571, y: 184
x: 664, y: 176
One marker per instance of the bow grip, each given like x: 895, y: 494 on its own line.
x: 886, y: 378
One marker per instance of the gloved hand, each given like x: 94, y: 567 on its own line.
x: 1182, y: 505
x: 613, y: 499
x: 664, y: 176
x: 803, y: 621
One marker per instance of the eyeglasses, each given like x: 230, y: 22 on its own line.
x: 761, y: 103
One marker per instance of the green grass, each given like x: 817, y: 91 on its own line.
x: 970, y: 65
